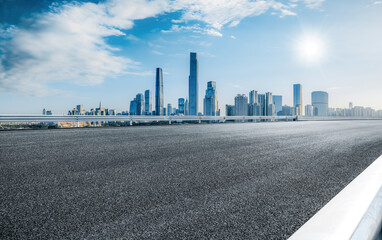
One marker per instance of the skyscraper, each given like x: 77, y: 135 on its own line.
x: 297, y: 99
x: 133, y: 107
x: 181, y: 107
x: 193, y: 85
x: 270, y: 107
x: 262, y: 105
x: 253, y: 97
x: 241, y: 105
x: 320, y: 103
x: 211, y: 100
x: 140, y: 103
x: 148, y: 105
x: 278, y: 102
x: 169, y: 109
x: 159, y: 92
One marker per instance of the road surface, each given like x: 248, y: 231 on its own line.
x: 196, y: 181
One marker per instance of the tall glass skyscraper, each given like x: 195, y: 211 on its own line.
x: 140, y: 103
x: 193, y: 85
x: 211, y: 100
x: 169, y: 109
x: 133, y: 107
x: 241, y: 105
x: 252, y: 97
x: 269, y: 106
x: 181, y: 107
x: 262, y: 104
x: 320, y: 103
x: 148, y: 105
x: 297, y: 99
x: 278, y: 102
x: 159, y: 92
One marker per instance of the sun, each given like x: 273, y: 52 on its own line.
x: 311, y: 48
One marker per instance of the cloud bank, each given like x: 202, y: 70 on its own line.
x: 68, y: 44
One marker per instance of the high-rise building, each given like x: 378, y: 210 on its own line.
x: 320, y: 102
x: 270, y: 107
x: 44, y: 112
x: 241, y: 105
x: 253, y: 97
x: 159, y: 92
x: 229, y: 110
x: 140, y: 104
x: 169, y: 109
x: 211, y: 100
x: 350, y: 105
x: 278, y: 102
x: 262, y: 104
x: 309, y: 110
x: 297, y: 99
x: 148, y: 105
x: 133, y: 107
x: 186, y: 109
x: 181, y: 107
x: 193, y: 85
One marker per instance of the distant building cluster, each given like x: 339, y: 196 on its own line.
x: 46, y: 112
x: 256, y: 104
x: 142, y: 103
x: 272, y: 105
x: 100, y: 111
x: 354, y: 111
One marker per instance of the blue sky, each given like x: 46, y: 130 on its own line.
x: 57, y: 54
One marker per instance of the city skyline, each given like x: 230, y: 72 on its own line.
x: 268, y: 48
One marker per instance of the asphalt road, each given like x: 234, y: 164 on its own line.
x: 206, y: 181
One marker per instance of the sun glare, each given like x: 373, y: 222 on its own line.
x: 310, y: 48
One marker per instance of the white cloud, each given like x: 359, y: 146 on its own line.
x: 194, y: 28
x: 377, y: 2
x: 313, y: 3
x: 157, y: 52
x: 233, y: 37
x: 68, y: 44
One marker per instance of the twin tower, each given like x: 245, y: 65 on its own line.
x: 192, y: 88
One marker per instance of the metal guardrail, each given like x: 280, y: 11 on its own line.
x: 329, y: 118
x: 127, y: 118
x: 355, y: 213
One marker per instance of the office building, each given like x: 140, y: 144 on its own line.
x: 148, y: 105
x: 140, y: 104
x: 229, y: 110
x: 186, y: 107
x: 320, y: 103
x: 253, y: 97
x: 278, y: 102
x: 241, y: 105
x: 211, y: 100
x: 169, y: 109
x: 133, y: 107
x: 309, y: 110
x: 159, y: 92
x: 270, y: 107
x: 193, y: 85
x: 261, y: 102
x: 297, y: 99
x: 181, y: 106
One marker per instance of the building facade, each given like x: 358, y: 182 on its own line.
x: 210, y: 102
x: 320, y: 103
x: 159, y: 92
x: 297, y: 99
x: 193, y: 85
x: 148, y: 105
x: 241, y: 105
